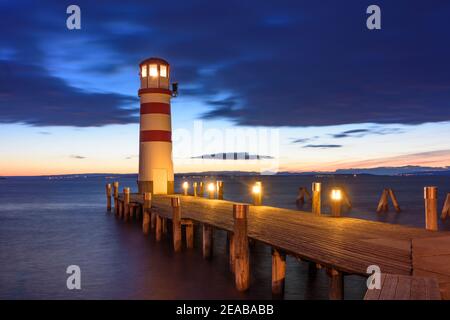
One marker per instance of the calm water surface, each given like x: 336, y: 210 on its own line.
x: 47, y: 225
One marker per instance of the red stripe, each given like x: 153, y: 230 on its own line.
x: 154, y: 90
x: 155, y: 107
x: 155, y: 135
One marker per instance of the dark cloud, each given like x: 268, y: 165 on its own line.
x: 358, y: 133
x: 301, y: 63
x: 29, y: 94
x: 323, y: 146
x: 233, y: 156
x: 74, y: 156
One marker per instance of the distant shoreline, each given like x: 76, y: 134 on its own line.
x: 382, y: 171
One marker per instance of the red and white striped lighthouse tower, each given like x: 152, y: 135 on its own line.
x: 155, y: 138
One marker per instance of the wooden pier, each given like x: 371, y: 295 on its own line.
x: 341, y: 245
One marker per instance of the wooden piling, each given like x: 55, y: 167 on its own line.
x: 336, y: 288
x: 278, y: 272
x: 316, y: 198
x: 126, y: 203
x: 383, y: 203
x: 207, y: 241
x: 394, y: 201
x: 146, y: 212
x: 176, y: 223
x: 194, y: 186
x: 108, y: 196
x: 189, y: 229
x: 300, y: 197
x: 116, y: 196
x: 446, y: 207
x: 241, y: 251
x: 336, y: 203
x: 430, y: 195
x: 211, y: 191
x: 158, y: 227
x: 220, y: 190
x: 231, y: 253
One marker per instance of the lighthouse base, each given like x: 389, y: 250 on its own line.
x: 148, y: 186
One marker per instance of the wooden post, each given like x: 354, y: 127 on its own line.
x: 152, y: 220
x: 176, y: 223
x: 231, y: 252
x: 108, y: 196
x: 158, y: 231
x: 185, y: 188
x: 336, y: 284
x: 201, y: 189
x: 316, y: 198
x: 257, y: 193
x: 383, y: 203
x: 220, y: 190
x: 194, y: 186
x: 126, y: 203
x: 189, y: 227
x: 430, y: 195
x: 278, y: 272
x: 146, y: 212
x: 301, y: 197
x: 336, y: 203
x: 116, y: 196
x: 394, y: 200
x: 446, y: 207
x: 240, y: 243
x: 207, y: 241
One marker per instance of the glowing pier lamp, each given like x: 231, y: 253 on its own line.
x: 185, y: 188
x: 336, y: 201
x: 257, y: 193
x: 211, y: 189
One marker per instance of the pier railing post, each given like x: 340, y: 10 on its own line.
x: 146, y: 212
x: 116, y: 196
x: 126, y: 203
x: 220, y: 190
x: 241, y: 251
x: 278, y: 272
x: 108, y: 196
x: 201, y: 189
x: 176, y: 223
x: 207, y: 241
x: 194, y: 186
x: 316, y: 198
x: 430, y: 195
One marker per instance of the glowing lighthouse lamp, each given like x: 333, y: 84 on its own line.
x: 336, y: 201
x: 155, y: 138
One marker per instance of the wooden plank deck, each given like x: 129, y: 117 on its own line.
x: 398, y: 287
x: 345, y: 244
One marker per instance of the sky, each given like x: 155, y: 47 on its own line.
x: 303, y: 83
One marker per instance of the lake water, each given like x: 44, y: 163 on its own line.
x: 49, y: 224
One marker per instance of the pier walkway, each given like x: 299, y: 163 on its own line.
x: 342, y: 245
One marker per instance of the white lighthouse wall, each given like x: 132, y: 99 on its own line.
x: 155, y: 155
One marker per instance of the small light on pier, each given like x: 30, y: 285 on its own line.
x: 257, y: 193
x: 336, y: 197
x: 211, y: 189
x: 185, y: 188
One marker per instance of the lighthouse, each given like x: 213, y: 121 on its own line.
x: 155, y: 136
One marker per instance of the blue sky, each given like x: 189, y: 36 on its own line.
x: 339, y: 94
